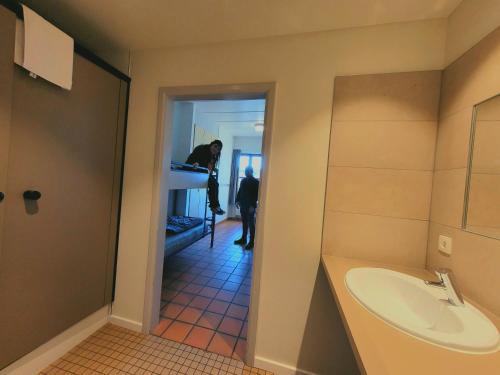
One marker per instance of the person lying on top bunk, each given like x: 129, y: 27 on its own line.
x: 207, y: 156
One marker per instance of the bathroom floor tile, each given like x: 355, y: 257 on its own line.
x: 108, y: 351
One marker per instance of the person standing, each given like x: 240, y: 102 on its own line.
x: 246, y: 201
x: 207, y: 156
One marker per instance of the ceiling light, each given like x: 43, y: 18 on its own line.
x: 259, y: 127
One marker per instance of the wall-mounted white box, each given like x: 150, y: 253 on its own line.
x: 445, y: 244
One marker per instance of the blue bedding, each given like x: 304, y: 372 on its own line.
x: 179, y: 224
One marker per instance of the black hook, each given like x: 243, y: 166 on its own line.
x: 32, y: 195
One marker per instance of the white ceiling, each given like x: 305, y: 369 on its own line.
x: 236, y: 116
x: 143, y: 24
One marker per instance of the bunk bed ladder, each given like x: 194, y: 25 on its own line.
x: 209, y: 215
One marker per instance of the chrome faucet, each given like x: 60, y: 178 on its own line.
x: 449, y: 284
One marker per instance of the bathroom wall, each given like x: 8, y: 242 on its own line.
x: 303, y: 68
x: 472, y: 78
x: 380, y: 167
x: 470, y: 22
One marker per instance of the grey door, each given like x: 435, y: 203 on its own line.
x: 55, y: 260
x: 7, y: 33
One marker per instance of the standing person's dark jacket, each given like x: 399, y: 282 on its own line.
x: 248, y: 192
x: 202, y: 155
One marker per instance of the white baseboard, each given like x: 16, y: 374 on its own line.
x: 279, y: 368
x: 125, y: 323
x: 52, y: 350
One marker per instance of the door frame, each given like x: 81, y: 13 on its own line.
x: 163, y: 144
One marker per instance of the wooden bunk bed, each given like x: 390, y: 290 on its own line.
x: 182, y: 231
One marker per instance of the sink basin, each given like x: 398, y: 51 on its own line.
x: 407, y: 303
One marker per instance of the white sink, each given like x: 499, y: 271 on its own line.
x: 422, y: 311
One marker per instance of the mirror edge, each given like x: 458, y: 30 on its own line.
x: 472, y: 134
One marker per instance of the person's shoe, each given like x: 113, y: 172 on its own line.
x: 249, y: 246
x: 241, y: 241
x: 218, y: 211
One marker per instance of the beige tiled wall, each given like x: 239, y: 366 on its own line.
x: 471, y: 79
x: 380, y: 168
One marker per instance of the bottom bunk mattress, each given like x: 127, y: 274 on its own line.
x: 179, y: 224
x: 181, y: 232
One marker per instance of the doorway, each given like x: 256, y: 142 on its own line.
x: 208, y: 299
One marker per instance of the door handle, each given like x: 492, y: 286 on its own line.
x: 2, y: 196
x: 32, y: 195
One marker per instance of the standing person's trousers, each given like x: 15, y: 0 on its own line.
x: 248, y: 220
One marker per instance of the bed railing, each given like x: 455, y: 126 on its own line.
x: 187, y: 167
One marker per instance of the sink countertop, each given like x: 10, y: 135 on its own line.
x: 381, y: 349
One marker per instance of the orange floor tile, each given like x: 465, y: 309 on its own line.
x: 114, y: 350
x: 206, y: 294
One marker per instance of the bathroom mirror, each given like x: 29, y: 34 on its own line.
x: 482, y: 195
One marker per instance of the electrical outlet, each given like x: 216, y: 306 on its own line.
x: 445, y: 244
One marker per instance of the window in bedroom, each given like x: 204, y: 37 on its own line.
x: 254, y: 160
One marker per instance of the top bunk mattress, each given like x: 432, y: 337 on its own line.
x: 185, y: 176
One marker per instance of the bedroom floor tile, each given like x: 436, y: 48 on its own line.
x: 210, y: 320
x: 171, y: 310
x: 190, y: 315
x: 231, y: 326
x: 161, y: 327
x: 200, y: 302
x: 219, y: 307
x: 177, y: 331
x: 240, y: 350
x: 222, y: 344
x: 205, y: 294
x: 199, y: 337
